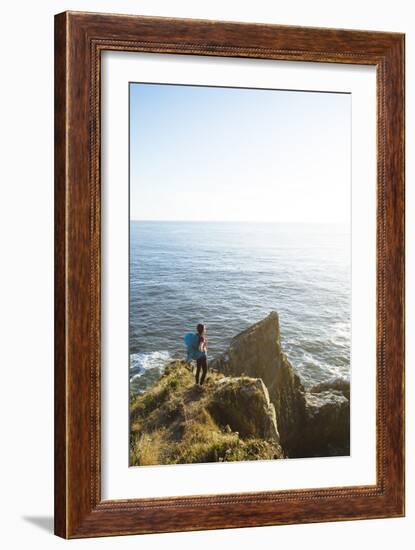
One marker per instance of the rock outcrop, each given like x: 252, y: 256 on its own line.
x: 327, y: 429
x: 257, y: 352
x: 310, y: 423
x: 243, y: 404
x: 252, y: 406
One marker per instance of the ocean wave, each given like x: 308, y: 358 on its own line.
x: 312, y: 370
x: 146, y: 368
x: 140, y: 363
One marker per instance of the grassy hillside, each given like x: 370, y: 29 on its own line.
x: 228, y: 419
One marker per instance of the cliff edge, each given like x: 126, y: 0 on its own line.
x: 228, y: 419
x: 252, y: 406
x: 312, y: 422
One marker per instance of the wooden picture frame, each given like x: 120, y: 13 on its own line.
x: 79, y: 40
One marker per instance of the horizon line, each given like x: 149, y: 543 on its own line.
x: 240, y: 221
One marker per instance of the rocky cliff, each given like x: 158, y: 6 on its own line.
x: 310, y: 423
x: 252, y: 406
x: 327, y: 428
x: 228, y: 419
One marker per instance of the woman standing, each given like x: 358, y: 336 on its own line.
x: 201, y: 360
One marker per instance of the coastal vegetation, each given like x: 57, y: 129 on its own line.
x: 252, y: 406
x: 177, y: 422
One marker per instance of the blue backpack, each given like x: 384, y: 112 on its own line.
x: 191, y: 341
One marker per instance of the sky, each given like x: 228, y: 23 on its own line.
x: 202, y: 153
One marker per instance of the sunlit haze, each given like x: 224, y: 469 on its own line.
x: 231, y: 154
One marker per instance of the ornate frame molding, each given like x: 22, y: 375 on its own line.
x: 79, y: 40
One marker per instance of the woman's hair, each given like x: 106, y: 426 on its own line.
x: 200, y: 328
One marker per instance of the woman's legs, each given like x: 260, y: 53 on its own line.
x: 204, y: 369
x: 198, y: 366
x: 201, y: 363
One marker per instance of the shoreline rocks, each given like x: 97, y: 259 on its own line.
x: 313, y: 422
x: 253, y: 406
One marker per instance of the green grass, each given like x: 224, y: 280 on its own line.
x: 171, y: 424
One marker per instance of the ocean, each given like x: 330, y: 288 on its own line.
x: 228, y: 275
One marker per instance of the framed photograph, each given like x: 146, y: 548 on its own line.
x: 229, y: 274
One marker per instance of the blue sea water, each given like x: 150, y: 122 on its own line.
x: 229, y: 275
